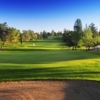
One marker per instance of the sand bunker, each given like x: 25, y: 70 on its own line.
x: 50, y: 90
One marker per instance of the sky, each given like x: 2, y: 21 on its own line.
x: 48, y: 15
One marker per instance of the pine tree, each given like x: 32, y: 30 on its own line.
x: 78, y: 26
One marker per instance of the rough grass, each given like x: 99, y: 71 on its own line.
x: 58, y: 64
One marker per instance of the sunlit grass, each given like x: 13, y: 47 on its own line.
x: 38, y: 44
x: 62, y: 64
x: 53, y: 43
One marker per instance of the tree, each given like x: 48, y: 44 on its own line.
x: 94, y: 30
x: 13, y: 36
x: 32, y: 34
x: 44, y: 35
x: 65, y: 34
x: 77, y: 33
x: 41, y: 35
x: 3, y: 33
x: 26, y: 36
x: 78, y: 26
x: 0, y: 43
x: 99, y: 32
x: 67, y: 38
x: 21, y: 38
x: 75, y: 38
x: 96, y: 40
x: 59, y: 33
x: 52, y: 33
x: 87, y: 38
x: 95, y: 34
x: 48, y: 33
x: 37, y: 36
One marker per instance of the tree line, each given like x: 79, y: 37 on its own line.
x: 11, y: 35
x: 88, y: 37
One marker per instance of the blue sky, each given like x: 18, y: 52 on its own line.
x: 39, y: 15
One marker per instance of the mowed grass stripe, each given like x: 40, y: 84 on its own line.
x: 62, y: 64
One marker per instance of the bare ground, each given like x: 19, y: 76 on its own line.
x: 50, y: 90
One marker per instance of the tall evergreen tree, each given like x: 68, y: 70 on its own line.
x: 78, y: 25
x: 67, y: 38
x: 94, y: 30
x: 77, y: 34
x: 44, y: 35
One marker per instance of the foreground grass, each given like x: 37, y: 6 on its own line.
x: 62, y: 64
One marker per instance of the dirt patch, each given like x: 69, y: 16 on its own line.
x: 50, y: 90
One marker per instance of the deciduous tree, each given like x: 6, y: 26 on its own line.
x: 13, y: 36
x: 3, y: 33
x: 87, y: 38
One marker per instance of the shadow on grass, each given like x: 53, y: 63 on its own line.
x: 45, y: 73
x: 46, y: 57
x: 33, y: 49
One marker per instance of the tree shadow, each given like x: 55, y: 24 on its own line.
x: 45, y: 74
x: 82, y: 90
x: 48, y: 57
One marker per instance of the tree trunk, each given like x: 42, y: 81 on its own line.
x: 2, y: 45
x: 21, y: 41
x: 75, y: 47
x: 89, y: 48
x: 69, y: 47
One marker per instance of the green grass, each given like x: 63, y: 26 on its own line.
x: 48, y: 59
x: 56, y: 64
x: 52, y: 43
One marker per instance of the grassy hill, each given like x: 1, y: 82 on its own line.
x: 50, y: 63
